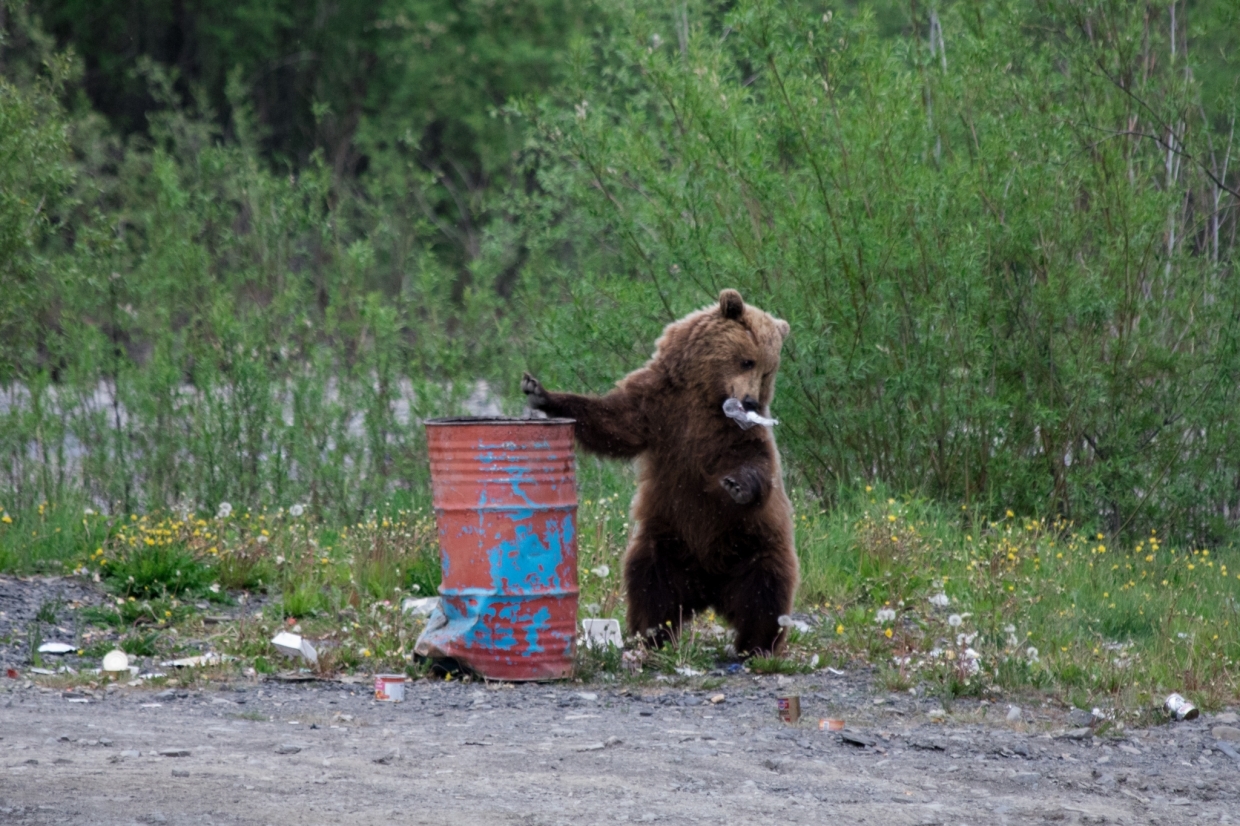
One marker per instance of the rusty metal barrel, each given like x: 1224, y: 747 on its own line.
x: 505, y: 498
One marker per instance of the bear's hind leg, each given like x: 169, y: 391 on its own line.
x: 663, y: 586
x: 753, y: 601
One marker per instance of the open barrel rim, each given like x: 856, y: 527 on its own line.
x: 456, y: 421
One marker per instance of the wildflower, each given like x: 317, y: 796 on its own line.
x: 224, y: 511
x: 839, y: 629
x: 6, y: 519
x: 887, y: 633
x: 215, y: 588
x: 1032, y: 654
x: 279, y: 559
x: 955, y: 620
x: 885, y: 615
x: 601, y: 571
x: 261, y: 539
x: 940, y: 600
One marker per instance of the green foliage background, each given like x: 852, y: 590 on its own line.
x: 245, y: 246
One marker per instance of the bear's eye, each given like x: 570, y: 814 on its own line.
x: 748, y: 364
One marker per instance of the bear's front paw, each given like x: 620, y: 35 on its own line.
x: 535, y: 396
x: 740, y: 494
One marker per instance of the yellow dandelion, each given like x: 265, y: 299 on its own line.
x: 887, y: 633
x: 839, y: 629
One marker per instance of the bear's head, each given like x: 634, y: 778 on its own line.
x: 726, y: 350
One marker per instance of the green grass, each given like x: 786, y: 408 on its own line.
x: 49, y: 537
x: 934, y: 597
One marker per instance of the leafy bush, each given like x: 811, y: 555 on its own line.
x: 1002, y: 240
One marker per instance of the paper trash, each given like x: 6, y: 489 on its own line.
x: 420, y: 606
x: 601, y: 633
x: 292, y: 645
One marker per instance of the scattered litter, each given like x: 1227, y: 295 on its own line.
x: 856, y: 738
x: 174, y: 752
x: 687, y: 671
x: 116, y: 660
x: 813, y: 661
x: 287, y: 748
x: 734, y: 668
x: 11, y: 673
x: 1014, y: 714
x: 786, y: 621
x: 1180, y: 708
x: 831, y: 724
x: 130, y: 753
x: 56, y: 648
x: 151, y: 705
x: 716, y: 699
x: 600, y: 633
x: 78, y: 700
x: 390, y: 688
x: 735, y: 410
x: 835, y: 671
x: 200, y: 661
x: 420, y: 606
x: 936, y: 715
x: 789, y: 708
x: 588, y: 696
x: 151, y: 675
x: 591, y: 747
x: 292, y: 645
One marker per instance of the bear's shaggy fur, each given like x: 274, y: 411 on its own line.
x: 712, y: 526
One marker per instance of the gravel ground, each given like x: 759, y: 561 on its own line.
x: 271, y: 752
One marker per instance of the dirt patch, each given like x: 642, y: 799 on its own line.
x: 325, y: 752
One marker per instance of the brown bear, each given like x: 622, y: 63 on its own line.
x: 712, y: 525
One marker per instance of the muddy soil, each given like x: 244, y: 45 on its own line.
x: 274, y: 752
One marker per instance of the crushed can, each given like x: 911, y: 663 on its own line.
x: 1180, y: 708
x: 390, y: 688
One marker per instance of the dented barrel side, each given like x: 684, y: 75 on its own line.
x: 505, y: 498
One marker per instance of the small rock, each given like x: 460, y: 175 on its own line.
x: 612, y: 741
x: 588, y: 696
x: 1127, y: 749
x: 1076, y: 733
x: 287, y: 748
x: 1080, y: 717
x: 180, y: 773
x: 387, y: 759
x: 856, y: 738
x: 1226, y: 733
x: 1014, y: 715
x: 591, y: 747
x: 131, y: 753
x: 716, y: 699
x: 174, y: 752
x: 1228, y: 718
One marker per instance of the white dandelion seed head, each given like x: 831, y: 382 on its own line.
x: 885, y: 615
x: 1032, y: 654
x: 262, y: 540
x: 602, y: 571
x: 297, y: 510
x: 940, y: 600
x: 224, y: 511
x: 955, y: 620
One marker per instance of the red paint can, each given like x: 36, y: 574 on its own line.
x: 505, y: 498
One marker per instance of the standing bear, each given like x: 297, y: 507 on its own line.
x: 712, y: 525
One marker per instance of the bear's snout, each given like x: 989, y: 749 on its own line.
x: 751, y: 404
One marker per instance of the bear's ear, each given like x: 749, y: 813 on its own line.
x: 784, y: 328
x: 731, y: 304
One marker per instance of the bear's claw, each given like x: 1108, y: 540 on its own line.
x: 536, y: 397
